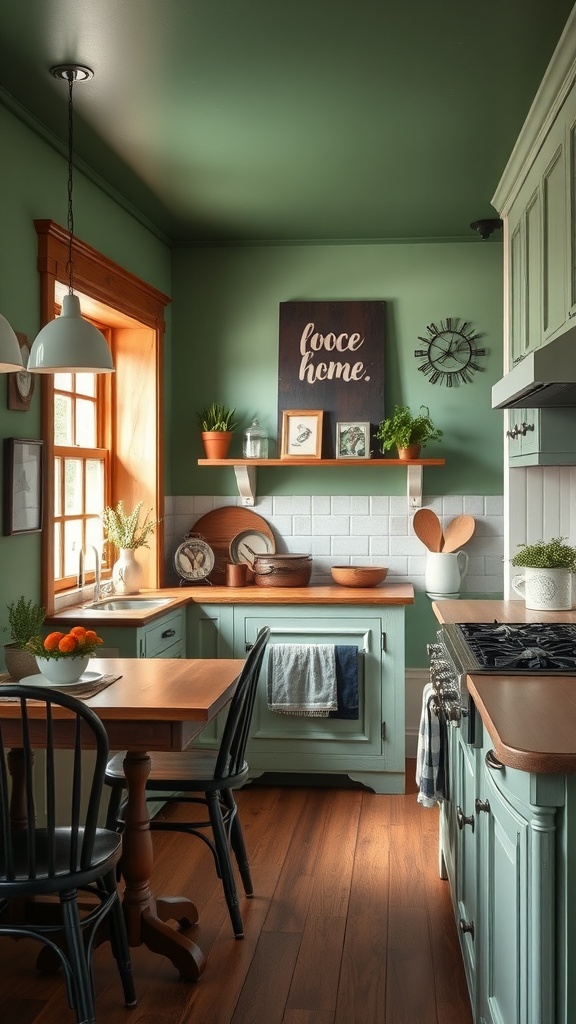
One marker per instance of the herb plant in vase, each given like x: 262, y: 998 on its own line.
x: 25, y: 620
x: 546, y: 582
x: 217, y: 426
x: 62, y: 658
x: 127, y: 533
x: 408, y: 433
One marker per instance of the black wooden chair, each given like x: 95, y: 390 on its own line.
x: 207, y: 777
x: 68, y: 854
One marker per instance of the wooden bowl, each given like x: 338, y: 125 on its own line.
x: 358, y: 575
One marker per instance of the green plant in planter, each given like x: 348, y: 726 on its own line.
x: 546, y: 554
x: 216, y: 417
x: 403, y: 429
x: 25, y: 619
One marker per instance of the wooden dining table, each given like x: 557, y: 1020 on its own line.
x: 155, y: 704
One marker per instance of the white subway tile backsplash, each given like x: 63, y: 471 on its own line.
x: 359, y: 530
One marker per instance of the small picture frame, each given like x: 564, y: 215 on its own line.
x: 301, y: 434
x: 23, y: 464
x: 352, y: 440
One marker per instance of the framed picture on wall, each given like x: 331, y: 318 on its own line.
x: 22, y: 485
x: 301, y: 434
x: 352, y: 440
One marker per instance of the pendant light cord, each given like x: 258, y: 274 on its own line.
x: 70, y: 263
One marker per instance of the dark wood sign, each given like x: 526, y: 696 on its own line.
x: 331, y: 357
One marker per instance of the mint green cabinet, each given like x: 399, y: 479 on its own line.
x: 369, y: 750
x: 541, y: 437
x: 164, y: 637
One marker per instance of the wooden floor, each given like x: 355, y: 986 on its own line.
x: 350, y: 924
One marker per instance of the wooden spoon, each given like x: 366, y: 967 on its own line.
x: 428, y: 528
x: 458, y: 532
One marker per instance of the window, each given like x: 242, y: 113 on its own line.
x: 81, y: 470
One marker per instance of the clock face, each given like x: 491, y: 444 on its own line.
x: 194, y: 558
x: 451, y: 353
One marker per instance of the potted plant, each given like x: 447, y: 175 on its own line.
x: 25, y: 619
x: 217, y: 424
x: 408, y: 433
x: 127, y: 533
x: 546, y: 583
x: 64, y: 657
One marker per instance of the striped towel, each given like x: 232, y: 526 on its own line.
x: 430, y: 774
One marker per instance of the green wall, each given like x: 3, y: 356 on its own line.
x: 225, y: 322
x: 33, y: 185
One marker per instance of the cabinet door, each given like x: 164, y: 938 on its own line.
x: 554, y: 232
x: 466, y: 857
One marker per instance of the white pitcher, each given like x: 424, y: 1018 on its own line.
x: 545, y: 590
x: 445, y: 572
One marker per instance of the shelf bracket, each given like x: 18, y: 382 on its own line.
x: 415, y: 474
x: 246, y: 483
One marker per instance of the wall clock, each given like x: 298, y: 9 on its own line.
x: 451, y: 353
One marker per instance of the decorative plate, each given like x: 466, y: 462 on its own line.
x: 244, y: 546
x: 86, y: 677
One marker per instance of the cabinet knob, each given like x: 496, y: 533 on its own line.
x: 464, y: 819
x: 466, y: 926
x: 482, y: 805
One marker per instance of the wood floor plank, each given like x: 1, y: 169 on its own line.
x: 267, y: 984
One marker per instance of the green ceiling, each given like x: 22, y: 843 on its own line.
x: 264, y: 120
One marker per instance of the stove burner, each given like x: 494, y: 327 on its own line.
x: 523, y: 646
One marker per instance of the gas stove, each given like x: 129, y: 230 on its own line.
x: 512, y: 647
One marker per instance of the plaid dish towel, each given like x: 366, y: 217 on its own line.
x: 430, y: 774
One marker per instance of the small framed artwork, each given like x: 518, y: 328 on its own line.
x: 352, y: 440
x: 301, y: 434
x: 23, y: 460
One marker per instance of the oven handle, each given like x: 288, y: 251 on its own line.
x: 493, y: 762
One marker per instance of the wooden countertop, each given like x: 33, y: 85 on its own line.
x: 530, y: 719
x: 384, y: 594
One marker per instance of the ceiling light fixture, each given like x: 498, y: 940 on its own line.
x: 10, y: 355
x: 69, y: 343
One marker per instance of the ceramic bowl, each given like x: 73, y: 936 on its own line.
x: 358, y: 575
x: 62, y: 670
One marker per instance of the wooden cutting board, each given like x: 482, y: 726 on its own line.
x: 219, y: 527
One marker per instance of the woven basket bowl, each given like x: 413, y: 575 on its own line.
x: 358, y: 575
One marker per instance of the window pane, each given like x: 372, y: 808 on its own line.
x: 73, y: 487
x: 57, y: 549
x: 63, y: 381
x: 95, y: 536
x: 94, y: 485
x: 63, y: 420
x: 86, y: 384
x: 57, y: 489
x: 85, y: 423
x: 72, y: 546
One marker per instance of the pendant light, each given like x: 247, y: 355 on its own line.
x: 10, y: 355
x: 69, y: 343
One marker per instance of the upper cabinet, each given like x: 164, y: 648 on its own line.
x: 536, y: 199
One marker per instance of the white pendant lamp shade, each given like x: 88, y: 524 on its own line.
x: 70, y: 344
x: 10, y: 356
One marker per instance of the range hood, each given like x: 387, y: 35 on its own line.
x: 545, y: 378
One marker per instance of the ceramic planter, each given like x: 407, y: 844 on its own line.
x: 127, y: 573
x: 546, y: 590
x: 62, y: 670
x: 411, y: 452
x: 216, y: 443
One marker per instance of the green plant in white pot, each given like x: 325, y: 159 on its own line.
x: 546, y: 582
x: 25, y: 620
x: 127, y: 533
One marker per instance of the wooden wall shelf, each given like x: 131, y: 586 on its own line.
x: 245, y: 470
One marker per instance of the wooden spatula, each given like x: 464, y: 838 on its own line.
x: 428, y: 528
x: 458, y: 532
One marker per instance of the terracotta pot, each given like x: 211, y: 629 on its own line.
x: 216, y: 443
x: 411, y: 452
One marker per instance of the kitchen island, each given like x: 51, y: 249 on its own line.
x: 508, y: 833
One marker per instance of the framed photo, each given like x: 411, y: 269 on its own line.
x: 301, y: 434
x: 352, y: 440
x: 22, y: 485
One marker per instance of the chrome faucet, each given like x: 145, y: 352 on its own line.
x: 82, y: 574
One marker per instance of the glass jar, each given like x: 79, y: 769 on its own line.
x: 255, y: 444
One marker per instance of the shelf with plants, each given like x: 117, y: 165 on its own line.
x: 245, y: 470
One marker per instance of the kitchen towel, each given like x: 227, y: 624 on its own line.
x: 430, y: 773
x: 302, y: 679
x: 346, y: 682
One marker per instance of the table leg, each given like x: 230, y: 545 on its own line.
x: 145, y: 918
x: 18, y: 807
